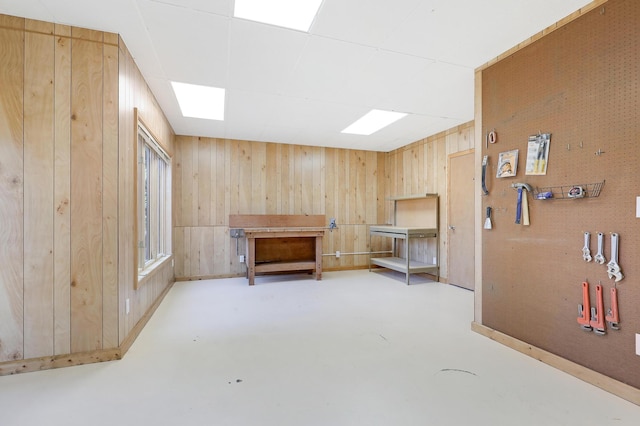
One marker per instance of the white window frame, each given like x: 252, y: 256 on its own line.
x: 153, y: 203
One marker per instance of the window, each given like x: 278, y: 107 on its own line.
x: 154, y: 202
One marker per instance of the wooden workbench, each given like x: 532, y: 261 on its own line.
x: 281, y: 243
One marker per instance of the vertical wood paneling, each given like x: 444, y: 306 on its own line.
x: 66, y: 197
x: 371, y: 188
x: 222, y: 187
x: 273, y: 192
x: 244, y: 176
x: 295, y: 179
x: 221, y: 260
x: 193, y: 260
x: 231, y: 173
x: 286, y: 175
x: 86, y: 196
x: 194, y: 194
x: 38, y: 195
x: 350, y: 185
x: 329, y: 190
x: 258, y: 178
x: 318, y: 179
x: 177, y: 186
x: 110, y: 198
x: 11, y: 195
x: 213, y: 183
x: 342, y: 210
x: 126, y: 196
x: 381, y: 193
x: 61, y: 197
x: 306, y: 182
x: 179, y: 250
x: 187, y: 180
x: 361, y: 188
x: 204, y: 182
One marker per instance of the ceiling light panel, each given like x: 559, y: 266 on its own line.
x: 200, y: 101
x: 294, y: 14
x: 373, y: 121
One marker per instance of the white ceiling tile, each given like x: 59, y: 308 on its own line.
x: 219, y: 7
x: 31, y: 9
x: 262, y: 57
x: 471, y: 33
x: 325, y: 66
x: 385, y: 74
x: 193, y: 47
x: 367, y: 22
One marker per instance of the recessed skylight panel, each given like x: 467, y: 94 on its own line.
x: 200, y: 101
x: 373, y: 121
x: 294, y: 14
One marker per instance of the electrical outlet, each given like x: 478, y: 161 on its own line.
x: 337, y: 254
x: 127, y: 306
x: 637, y: 344
x: 435, y: 260
x: 241, y: 258
x: 236, y: 233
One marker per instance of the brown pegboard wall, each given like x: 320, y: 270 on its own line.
x: 581, y: 84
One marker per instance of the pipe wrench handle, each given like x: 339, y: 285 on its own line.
x: 613, y: 317
x: 584, y: 309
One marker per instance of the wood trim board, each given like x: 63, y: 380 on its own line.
x: 275, y: 220
x: 606, y: 383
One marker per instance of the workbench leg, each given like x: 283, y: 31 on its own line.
x: 318, y: 258
x: 251, y: 260
x: 408, y: 258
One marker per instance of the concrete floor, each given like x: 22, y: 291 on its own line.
x: 357, y: 348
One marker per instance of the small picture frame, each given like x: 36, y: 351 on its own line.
x: 507, y: 164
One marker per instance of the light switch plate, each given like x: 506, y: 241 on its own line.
x: 637, y: 206
x: 637, y: 344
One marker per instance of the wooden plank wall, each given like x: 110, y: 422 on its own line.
x: 421, y: 168
x: 11, y: 190
x: 135, y: 93
x: 66, y: 170
x: 214, y: 178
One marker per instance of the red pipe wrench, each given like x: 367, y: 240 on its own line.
x: 613, y: 318
x: 597, y: 314
x: 584, y: 308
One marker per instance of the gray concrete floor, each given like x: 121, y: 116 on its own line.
x: 357, y: 348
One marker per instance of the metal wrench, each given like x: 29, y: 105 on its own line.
x: 597, y: 314
x: 613, y: 318
x: 584, y: 308
x: 613, y: 269
x: 586, y: 251
x: 600, y: 257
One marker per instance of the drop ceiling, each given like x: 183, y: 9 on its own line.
x: 411, y: 56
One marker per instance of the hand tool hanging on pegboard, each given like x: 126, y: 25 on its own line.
x: 485, y: 162
x: 586, y: 250
x: 584, y: 308
x: 613, y: 317
x: 600, y: 259
x: 613, y: 269
x: 487, y: 221
x: 522, y: 204
x: 597, y: 314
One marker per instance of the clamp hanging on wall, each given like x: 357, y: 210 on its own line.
x: 485, y: 162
